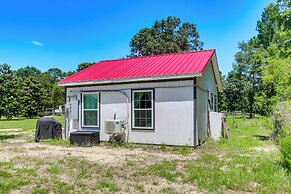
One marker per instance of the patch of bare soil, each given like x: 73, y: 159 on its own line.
x: 266, y: 148
x: 23, y: 190
x: 18, y: 150
x: 3, y: 130
x: 100, y: 154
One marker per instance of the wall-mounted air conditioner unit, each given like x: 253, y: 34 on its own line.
x: 113, y: 127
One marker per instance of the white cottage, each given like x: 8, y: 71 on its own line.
x: 161, y: 99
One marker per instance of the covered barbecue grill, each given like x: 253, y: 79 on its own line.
x: 48, y: 128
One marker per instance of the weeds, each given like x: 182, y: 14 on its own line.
x: 62, y: 187
x: 165, y: 169
x: 54, y: 169
x: 183, y: 150
x: 105, y: 184
x: 224, y: 166
x: 169, y: 190
x: 285, y: 149
x: 5, y: 174
x: 58, y: 142
x: 27, y: 171
x: 40, y: 190
x: 7, y: 185
x: 139, y: 187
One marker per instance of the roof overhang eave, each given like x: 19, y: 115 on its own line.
x: 130, y: 80
x: 216, y: 73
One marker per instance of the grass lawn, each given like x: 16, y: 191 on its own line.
x: 243, y: 164
x: 21, y: 124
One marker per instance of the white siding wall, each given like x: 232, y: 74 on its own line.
x: 174, y: 111
x: 206, y: 85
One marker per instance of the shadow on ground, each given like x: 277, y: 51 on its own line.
x: 266, y: 138
x: 5, y: 137
x: 262, y: 137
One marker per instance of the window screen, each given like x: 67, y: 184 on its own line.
x: 143, y: 109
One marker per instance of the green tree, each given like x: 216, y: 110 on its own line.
x: 27, y: 71
x: 248, y: 67
x: 69, y: 73
x: 221, y: 95
x: 58, y: 94
x: 263, y: 63
x: 165, y: 36
x: 46, y: 83
x: 234, y: 91
x: 11, y: 99
x: 4, y: 71
x: 32, y: 98
x: 267, y: 24
x: 9, y: 92
x: 276, y: 69
x: 84, y: 65
x: 53, y: 95
x: 275, y: 17
x: 56, y: 74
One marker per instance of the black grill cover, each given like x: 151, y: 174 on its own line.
x: 48, y: 128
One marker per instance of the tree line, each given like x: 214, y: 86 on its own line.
x: 259, y: 80
x: 28, y: 92
x: 261, y: 74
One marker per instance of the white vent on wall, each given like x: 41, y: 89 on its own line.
x: 113, y: 127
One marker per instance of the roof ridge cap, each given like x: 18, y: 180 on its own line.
x: 165, y: 54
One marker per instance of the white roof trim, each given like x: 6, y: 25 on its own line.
x: 216, y: 73
x: 136, y: 79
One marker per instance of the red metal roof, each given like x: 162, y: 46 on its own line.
x: 148, y: 66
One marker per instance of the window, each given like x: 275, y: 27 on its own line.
x: 215, y: 104
x: 90, y: 110
x: 143, y: 109
x: 211, y: 102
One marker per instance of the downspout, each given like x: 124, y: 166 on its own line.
x: 66, y: 116
x: 195, y: 135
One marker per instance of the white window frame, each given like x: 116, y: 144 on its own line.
x: 211, y: 102
x: 215, y: 103
x: 98, y: 109
x: 133, y: 109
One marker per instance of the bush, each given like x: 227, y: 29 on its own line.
x: 285, y: 149
x: 281, y: 119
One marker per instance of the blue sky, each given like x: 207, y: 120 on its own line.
x: 63, y: 33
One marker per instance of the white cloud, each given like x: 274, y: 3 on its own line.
x: 37, y: 43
